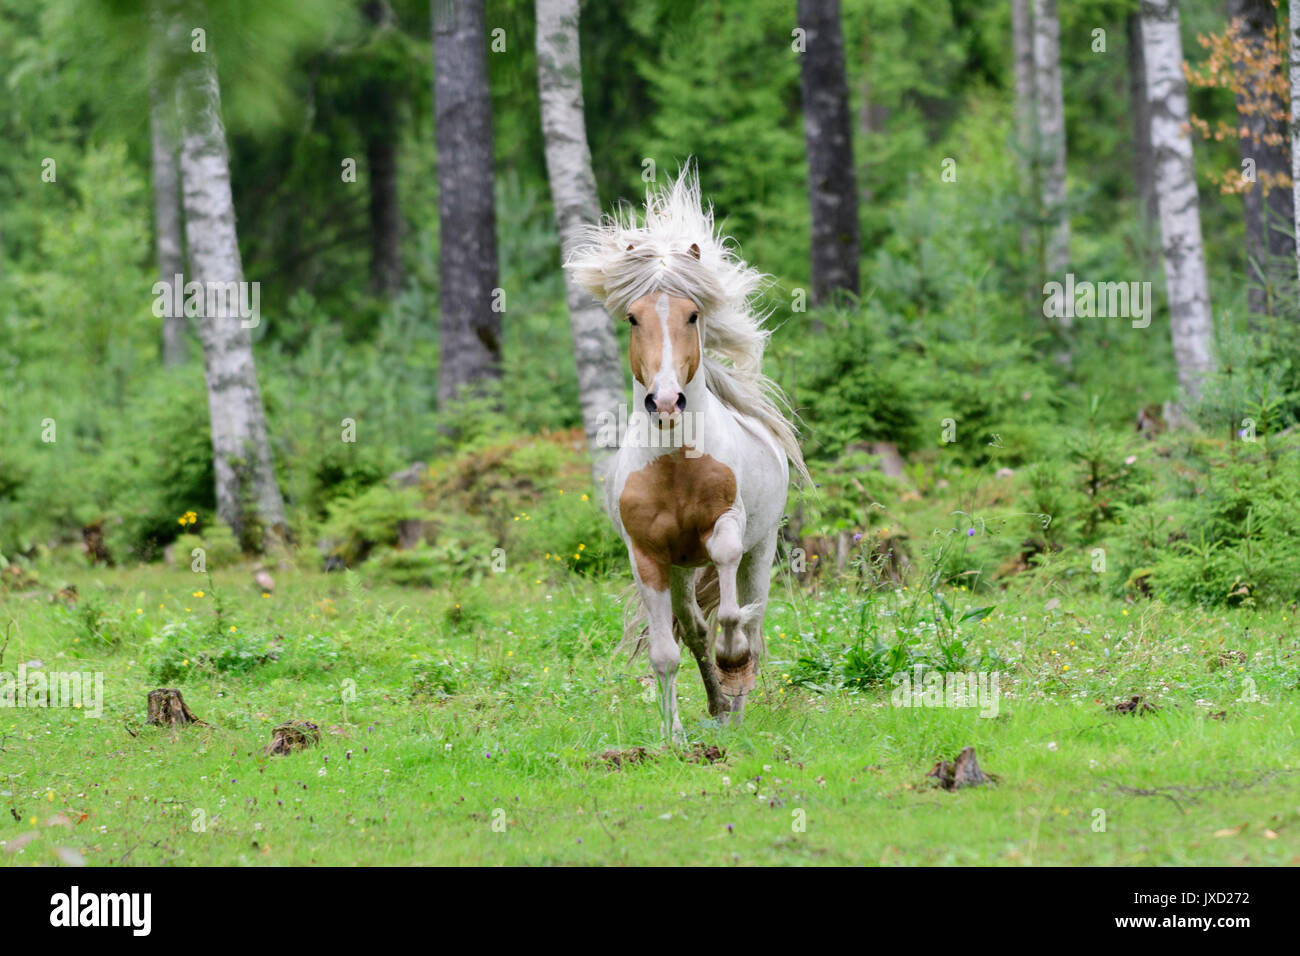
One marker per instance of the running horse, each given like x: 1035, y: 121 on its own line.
x: 698, y: 486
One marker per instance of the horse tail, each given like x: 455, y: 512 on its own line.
x: 707, y: 594
x: 636, y: 628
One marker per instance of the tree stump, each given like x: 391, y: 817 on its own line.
x: 92, y: 544
x: 168, y: 708
x: 1134, y: 705
x: 292, y: 735
x: 963, y: 772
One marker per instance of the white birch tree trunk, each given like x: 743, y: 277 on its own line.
x: 241, y: 449
x: 573, y: 193
x: 1190, y: 320
x: 1140, y: 106
x: 1022, y: 43
x: 1050, y: 104
x: 167, y: 215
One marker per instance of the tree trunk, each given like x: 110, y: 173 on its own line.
x: 573, y: 193
x: 241, y: 449
x: 1050, y: 104
x: 828, y: 132
x: 168, y: 223
x: 166, y: 707
x: 385, y: 214
x: 467, y: 256
x: 1270, y: 225
x: 380, y: 130
x: 1294, y: 47
x: 167, y: 217
x: 1140, y: 108
x: 1190, y: 320
x: 1022, y: 43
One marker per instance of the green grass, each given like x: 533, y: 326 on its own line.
x: 466, y: 727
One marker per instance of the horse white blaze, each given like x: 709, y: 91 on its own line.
x: 665, y: 388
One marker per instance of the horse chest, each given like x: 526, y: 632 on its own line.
x: 668, y: 509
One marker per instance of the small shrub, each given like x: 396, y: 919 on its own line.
x: 183, y: 653
x: 357, y: 525
x: 570, y: 530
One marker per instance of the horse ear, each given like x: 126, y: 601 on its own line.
x: 695, y: 249
x: 629, y: 247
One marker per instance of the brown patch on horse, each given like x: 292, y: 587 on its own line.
x: 646, y: 346
x: 669, y: 508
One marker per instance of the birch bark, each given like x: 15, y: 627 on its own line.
x: 573, y: 193
x: 1190, y: 320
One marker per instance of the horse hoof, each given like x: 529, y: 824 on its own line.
x: 737, y: 677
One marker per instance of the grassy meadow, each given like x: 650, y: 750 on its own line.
x: 475, y: 724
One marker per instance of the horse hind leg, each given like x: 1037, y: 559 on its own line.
x: 732, y: 655
x: 695, y: 632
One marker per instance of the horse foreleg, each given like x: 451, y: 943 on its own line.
x: 732, y: 653
x: 755, y: 582
x: 695, y: 632
x: 665, y: 656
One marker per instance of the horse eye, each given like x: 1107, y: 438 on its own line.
x: 631, y: 318
x: 694, y: 316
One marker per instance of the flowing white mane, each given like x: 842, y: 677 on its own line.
x: 674, y: 247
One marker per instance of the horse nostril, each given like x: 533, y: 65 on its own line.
x: 650, y: 403
x: 681, y: 401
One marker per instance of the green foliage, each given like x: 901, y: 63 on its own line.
x: 857, y: 651
x: 433, y: 679
x: 220, y: 547
x: 851, y: 494
x: 156, y: 466
x: 853, y: 387
x: 1232, y: 539
x: 569, y: 530
x: 212, y: 644
x: 357, y: 525
x: 462, y: 551
x: 100, y: 624
x: 1256, y: 387
x: 182, y: 656
x: 948, y: 325
x: 724, y: 83
x: 997, y: 396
